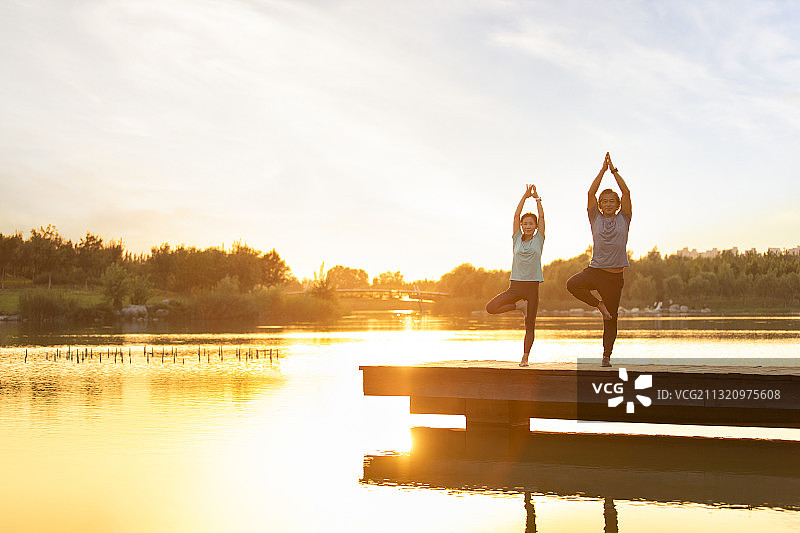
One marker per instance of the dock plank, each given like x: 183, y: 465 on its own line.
x: 561, y: 390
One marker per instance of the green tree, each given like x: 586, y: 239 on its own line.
x: 742, y: 286
x: 321, y: 286
x: 91, y: 257
x: 642, y: 290
x: 140, y: 289
x: 767, y: 286
x: 161, y: 266
x: 789, y: 287
x: 673, y: 287
x: 389, y: 280
x: 46, y: 251
x: 348, y: 278
x: 274, y: 270
x: 698, y: 287
x: 466, y: 281
x: 9, y: 250
x: 245, y: 263
x: 727, y: 279
x: 116, y: 285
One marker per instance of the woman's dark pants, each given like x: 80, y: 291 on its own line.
x: 505, y: 301
x: 609, y: 285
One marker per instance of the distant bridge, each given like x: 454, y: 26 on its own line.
x: 389, y: 294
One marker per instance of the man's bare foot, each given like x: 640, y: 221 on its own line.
x: 524, y: 361
x: 604, y: 311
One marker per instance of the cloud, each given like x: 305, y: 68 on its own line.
x: 344, y: 123
x: 719, y: 65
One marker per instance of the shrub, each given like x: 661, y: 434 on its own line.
x: 140, y: 290
x: 116, y: 285
x: 44, y: 305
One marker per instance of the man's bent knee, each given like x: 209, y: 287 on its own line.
x: 572, y: 285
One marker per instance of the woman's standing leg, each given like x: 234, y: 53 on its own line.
x: 532, y: 295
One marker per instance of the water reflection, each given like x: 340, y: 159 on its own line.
x: 666, y: 469
x: 28, y: 333
x: 235, y: 446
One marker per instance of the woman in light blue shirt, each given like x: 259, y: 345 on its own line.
x: 526, y: 269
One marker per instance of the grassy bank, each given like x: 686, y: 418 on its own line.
x: 224, y: 303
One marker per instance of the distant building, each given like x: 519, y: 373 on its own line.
x: 685, y: 252
x: 714, y: 252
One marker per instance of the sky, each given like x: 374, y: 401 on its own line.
x: 398, y: 136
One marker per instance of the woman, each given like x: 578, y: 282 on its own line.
x: 526, y: 269
x: 610, y: 220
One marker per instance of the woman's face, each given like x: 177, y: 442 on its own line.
x: 608, y: 204
x: 528, y: 225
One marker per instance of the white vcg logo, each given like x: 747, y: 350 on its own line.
x: 645, y: 381
x: 608, y: 388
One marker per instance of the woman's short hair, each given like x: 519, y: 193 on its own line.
x: 535, y: 219
x: 611, y: 192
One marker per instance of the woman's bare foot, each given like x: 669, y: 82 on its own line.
x: 604, y: 311
x: 524, y: 361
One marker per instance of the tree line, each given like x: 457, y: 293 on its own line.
x: 767, y: 280
x: 45, y: 258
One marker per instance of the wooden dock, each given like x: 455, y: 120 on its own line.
x: 497, y: 394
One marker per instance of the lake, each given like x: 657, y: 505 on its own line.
x: 245, y: 444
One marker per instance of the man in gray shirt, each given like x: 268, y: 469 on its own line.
x: 610, y: 220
